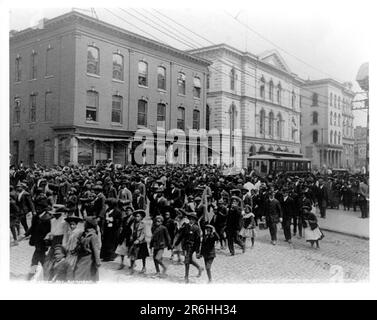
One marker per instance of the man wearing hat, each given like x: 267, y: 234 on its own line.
x: 288, y: 208
x: 234, y: 225
x: 208, y: 251
x: 190, y: 238
x: 274, y: 215
x: 322, y: 198
x: 99, y: 204
x: 25, y: 204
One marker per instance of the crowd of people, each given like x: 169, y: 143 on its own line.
x: 82, y: 216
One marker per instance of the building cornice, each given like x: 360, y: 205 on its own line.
x: 79, y: 18
x: 327, y: 82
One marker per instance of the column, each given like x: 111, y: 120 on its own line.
x: 112, y: 151
x: 74, y: 150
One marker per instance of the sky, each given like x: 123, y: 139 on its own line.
x: 317, y: 39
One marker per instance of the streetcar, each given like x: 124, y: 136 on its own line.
x: 270, y: 162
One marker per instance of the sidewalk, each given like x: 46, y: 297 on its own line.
x: 345, y: 222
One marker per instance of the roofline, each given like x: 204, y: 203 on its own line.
x: 224, y: 46
x: 75, y: 14
x: 327, y: 81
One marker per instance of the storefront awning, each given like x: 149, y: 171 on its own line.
x: 103, y: 139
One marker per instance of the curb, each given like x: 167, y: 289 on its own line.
x: 346, y: 233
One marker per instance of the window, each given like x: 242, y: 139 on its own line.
x: 344, y: 104
x: 197, y: 87
x: 116, y: 109
x: 17, y: 111
x: 271, y: 123
x: 208, y: 80
x: 31, y: 145
x: 143, y: 74
x: 315, y: 100
x: 196, y: 120
x: 232, y: 79
x: 279, y: 126
x: 339, y: 119
x: 261, y: 89
x: 339, y: 102
x: 181, y: 83
x: 142, y: 109
x: 16, y: 151
x: 315, y: 117
x: 208, y: 117
x: 293, y: 99
x: 278, y: 94
x: 334, y: 100
x: 262, y: 119
x: 18, y: 73
x: 33, y: 65
x: 315, y: 136
x: 271, y: 91
x: 331, y: 99
x: 338, y: 137
x: 161, y: 115
x: 330, y: 118
x: 33, y: 108
x: 118, y: 67
x: 91, y: 105
x: 331, y: 134
x: 49, y: 61
x: 181, y: 118
x: 161, y: 78
x: 92, y: 65
x: 48, y: 105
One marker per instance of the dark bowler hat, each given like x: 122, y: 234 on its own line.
x: 141, y: 212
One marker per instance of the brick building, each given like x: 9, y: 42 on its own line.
x: 80, y: 88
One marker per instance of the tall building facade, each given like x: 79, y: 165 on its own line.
x: 327, y: 121
x: 253, y: 101
x: 360, y: 147
x: 80, y: 88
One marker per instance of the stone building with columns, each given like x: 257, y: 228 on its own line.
x: 253, y: 101
x: 326, y: 121
x: 80, y: 88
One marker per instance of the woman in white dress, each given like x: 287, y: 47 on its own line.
x: 70, y: 242
x: 313, y: 233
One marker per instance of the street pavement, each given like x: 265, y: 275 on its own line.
x: 340, y: 258
x: 345, y: 222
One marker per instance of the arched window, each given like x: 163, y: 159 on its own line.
x: 339, y: 119
x: 33, y: 108
x: 232, y: 79
x: 196, y: 120
x: 270, y: 148
x: 338, y: 137
x: 271, y: 123
x: 197, y: 87
x: 261, y: 149
x: 33, y: 65
x: 208, y: 80
x: 271, y: 90
x: 143, y: 74
x: 252, y: 150
x: 344, y: 104
x: 279, y: 126
x: 49, y: 61
x: 17, y: 111
x: 142, y: 111
x: 315, y: 100
x: 92, y: 65
x: 331, y: 99
x: 117, y: 66
x: 339, y: 102
x: 262, y: 87
x: 315, y: 136
x: 315, y: 117
x: 181, y: 83
x: 334, y: 100
x: 181, y: 118
x: 330, y: 118
x: 331, y: 134
x: 208, y: 117
x: 91, y: 106
x: 293, y: 99
x: 262, y: 121
x: 278, y: 93
x: 161, y: 78
x: 17, y: 75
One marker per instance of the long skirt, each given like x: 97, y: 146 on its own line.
x: 122, y: 249
x: 313, y: 235
x: 86, y: 270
